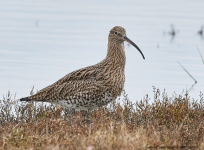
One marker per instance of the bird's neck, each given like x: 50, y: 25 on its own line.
x: 115, y: 67
x: 116, y: 54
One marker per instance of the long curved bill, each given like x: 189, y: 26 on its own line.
x: 133, y: 44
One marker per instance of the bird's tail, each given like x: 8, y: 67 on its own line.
x: 27, y: 99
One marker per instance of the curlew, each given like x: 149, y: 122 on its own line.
x: 93, y: 86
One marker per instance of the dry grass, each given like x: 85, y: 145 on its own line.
x: 169, y: 122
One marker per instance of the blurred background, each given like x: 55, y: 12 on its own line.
x: 42, y: 41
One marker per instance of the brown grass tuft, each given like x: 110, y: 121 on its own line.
x: 168, y: 122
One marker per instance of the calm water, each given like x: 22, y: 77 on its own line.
x: 41, y: 41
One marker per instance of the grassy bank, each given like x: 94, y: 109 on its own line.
x: 168, y: 122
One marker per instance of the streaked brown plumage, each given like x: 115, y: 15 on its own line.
x: 94, y: 86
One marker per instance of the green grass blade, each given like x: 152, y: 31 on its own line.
x: 188, y: 72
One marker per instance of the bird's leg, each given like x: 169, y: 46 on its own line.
x: 88, y: 120
x: 70, y: 113
x: 88, y: 113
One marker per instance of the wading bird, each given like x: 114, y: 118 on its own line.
x: 94, y: 86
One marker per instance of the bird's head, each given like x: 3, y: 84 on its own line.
x: 118, y: 34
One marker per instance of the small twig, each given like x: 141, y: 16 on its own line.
x: 187, y: 91
x: 15, y: 126
x: 200, y: 55
x: 183, y: 122
x: 188, y: 73
x: 139, y: 106
x: 31, y: 92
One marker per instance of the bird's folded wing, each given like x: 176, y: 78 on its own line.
x: 75, y: 89
x: 81, y: 82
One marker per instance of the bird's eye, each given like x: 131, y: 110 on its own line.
x: 116, y: 33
